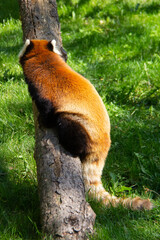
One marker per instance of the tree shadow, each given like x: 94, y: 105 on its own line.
x: 9, y: 9
x: 19, y: 205
x: 119, y: 223
x: 82, y: 45
x: 151, y: 8
x: 19, y: 211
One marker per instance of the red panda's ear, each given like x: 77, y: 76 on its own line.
x: 53, y: 47
x: 26, y: 48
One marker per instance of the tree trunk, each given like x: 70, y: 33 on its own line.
x: 65, y: 214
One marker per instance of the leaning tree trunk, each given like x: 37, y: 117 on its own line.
x: 65, y: 214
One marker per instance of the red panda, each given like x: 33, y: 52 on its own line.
x: 68, y: 101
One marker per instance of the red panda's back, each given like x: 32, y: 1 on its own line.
x: 67, y: 90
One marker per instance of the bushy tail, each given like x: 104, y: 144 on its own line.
x: 100, y: 193
x: 93, y: 185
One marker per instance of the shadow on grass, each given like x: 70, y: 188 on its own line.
x: 19, y: 211
x: 19, y: 206
x: 107, y: 68
x: 120, y: 223
x: 151, y: 8
x: 9, y: 9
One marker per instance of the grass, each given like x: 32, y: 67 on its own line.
x: 116, y: 45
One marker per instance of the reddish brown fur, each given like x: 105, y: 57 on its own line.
x: 75, y: 99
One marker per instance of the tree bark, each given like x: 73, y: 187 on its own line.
x: 65, y: 214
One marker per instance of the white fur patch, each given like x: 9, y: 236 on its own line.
x: 21, y: 53
x: 55, y: 49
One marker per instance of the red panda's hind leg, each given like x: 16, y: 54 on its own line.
x: 92, y: 170
x: 72, y: 135
x: 75, y: 139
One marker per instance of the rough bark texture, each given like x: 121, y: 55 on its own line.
x: 65, y: 214
x: 40, y: 21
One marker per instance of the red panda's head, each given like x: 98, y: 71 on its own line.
x: 34, y: 47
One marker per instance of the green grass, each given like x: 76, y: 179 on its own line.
x: 116, y: 45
